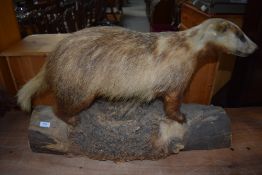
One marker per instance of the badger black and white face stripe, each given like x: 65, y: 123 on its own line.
x: 241, y: 36
x: 225, y: 34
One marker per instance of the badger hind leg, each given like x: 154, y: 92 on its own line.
x: 172, y: 104
x: 68, y: 112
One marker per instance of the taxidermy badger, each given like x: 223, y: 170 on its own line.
x: 117, y: 63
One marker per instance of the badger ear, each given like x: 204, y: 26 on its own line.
x: 222, y: 27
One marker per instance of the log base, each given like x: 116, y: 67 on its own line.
x: 123, y: 131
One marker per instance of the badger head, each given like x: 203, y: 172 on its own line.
x: 227, y: 36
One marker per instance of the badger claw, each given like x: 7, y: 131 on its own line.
x: 178, y: 116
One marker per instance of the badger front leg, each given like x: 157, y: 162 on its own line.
x: 172, y: 104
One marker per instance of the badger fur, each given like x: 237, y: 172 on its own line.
x: 118, y: 63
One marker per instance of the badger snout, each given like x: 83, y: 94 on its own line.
x: 252, y: 48
x: 247, y: 48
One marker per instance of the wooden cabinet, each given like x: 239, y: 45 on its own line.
x: 212, y: 72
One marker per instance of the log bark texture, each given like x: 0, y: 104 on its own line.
x: 123, y: 131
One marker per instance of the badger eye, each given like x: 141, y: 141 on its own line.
x: 241, y: 36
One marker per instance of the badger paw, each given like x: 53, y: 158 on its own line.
x: 177, y: 116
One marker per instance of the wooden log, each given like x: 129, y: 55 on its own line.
x: 123, y: 131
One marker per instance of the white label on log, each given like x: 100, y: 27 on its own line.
x: 45, y: 124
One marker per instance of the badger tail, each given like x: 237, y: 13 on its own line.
x: 32, y: 87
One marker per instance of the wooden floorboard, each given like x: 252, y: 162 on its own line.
x: 244, y: 157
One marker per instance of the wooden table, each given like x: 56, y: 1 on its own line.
x: 26, y: 57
